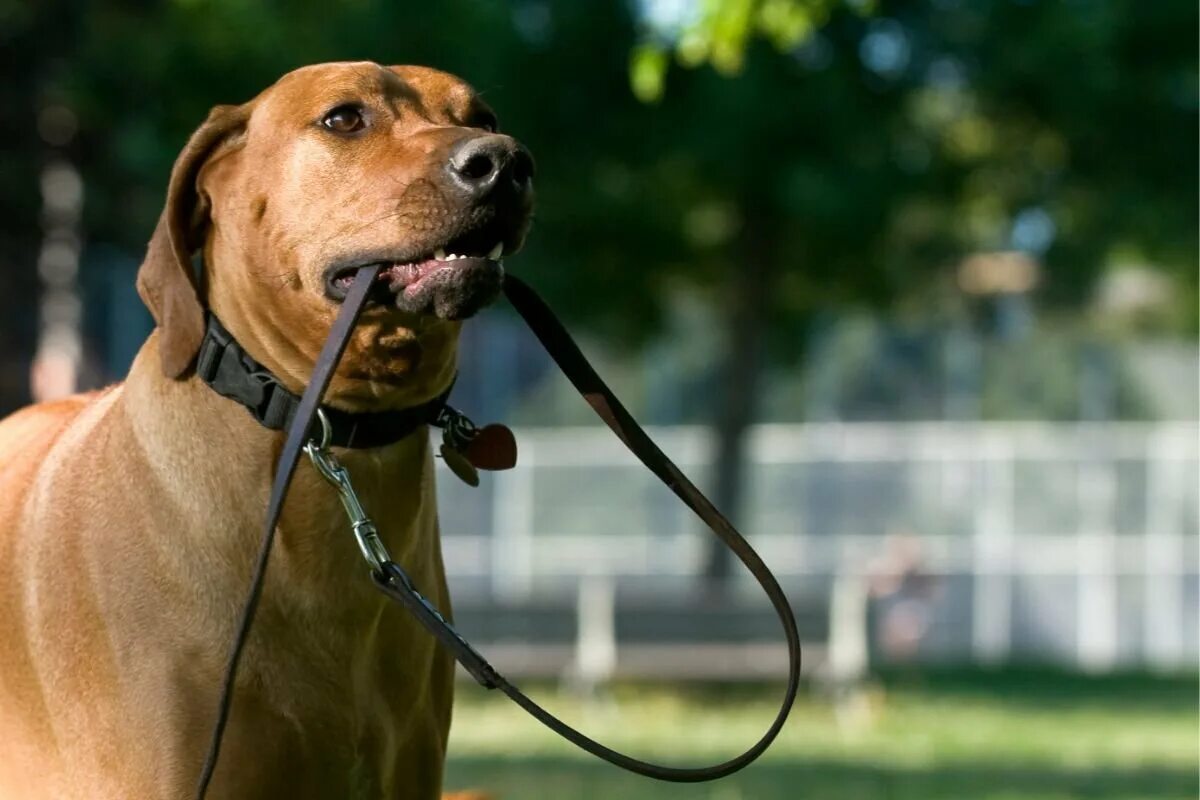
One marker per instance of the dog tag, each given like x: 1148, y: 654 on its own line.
x: 493, y: 448
x: 460, y: 466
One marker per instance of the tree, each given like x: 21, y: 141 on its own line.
x: 943, y: 129
x: 804, y: 154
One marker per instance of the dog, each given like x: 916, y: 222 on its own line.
x: 130, y: 517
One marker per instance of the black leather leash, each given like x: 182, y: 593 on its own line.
x: 297, y: 435
x: 394, y: 582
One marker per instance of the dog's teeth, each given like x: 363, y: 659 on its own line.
x: 439, y: 254
x: 453, y: 257
x: 496, y: 251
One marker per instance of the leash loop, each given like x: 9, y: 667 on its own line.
x: 391, y: 578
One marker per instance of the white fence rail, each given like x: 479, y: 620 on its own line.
x: 1070, y: 543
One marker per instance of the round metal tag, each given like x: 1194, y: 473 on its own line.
x: 460, y: 466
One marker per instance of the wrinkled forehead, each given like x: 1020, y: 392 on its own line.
x: 434, y: 95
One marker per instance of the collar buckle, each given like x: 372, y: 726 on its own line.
x: 231, y: 372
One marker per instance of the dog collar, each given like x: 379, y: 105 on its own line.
x: 232, y: 373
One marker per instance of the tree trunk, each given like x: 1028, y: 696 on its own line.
x: 748, y: 295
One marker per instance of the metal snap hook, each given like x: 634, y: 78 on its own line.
x: 326, y: 463
x: 326, y: 429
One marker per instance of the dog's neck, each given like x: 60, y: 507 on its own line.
x: 321, y: 624
x: 221, y: 462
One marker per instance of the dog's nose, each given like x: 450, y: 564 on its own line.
x: 486, y: 163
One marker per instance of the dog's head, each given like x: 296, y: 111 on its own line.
x: 334, y: 167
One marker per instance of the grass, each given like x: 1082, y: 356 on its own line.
x: 948, y: 736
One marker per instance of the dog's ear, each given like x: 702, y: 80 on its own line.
x: 165, y: 280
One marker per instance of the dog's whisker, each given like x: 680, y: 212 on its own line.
x: 363, y: 226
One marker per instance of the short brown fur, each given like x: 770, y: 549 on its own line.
x: 129, y: 517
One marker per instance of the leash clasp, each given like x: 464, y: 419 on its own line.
x: 363, y: 527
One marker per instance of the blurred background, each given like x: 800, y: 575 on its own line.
x: 909, y: 288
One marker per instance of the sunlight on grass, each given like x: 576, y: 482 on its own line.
x: 1051, y: 738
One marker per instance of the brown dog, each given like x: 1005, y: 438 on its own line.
x: 129, y: 517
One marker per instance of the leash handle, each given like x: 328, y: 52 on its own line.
x: 297, y: 435
x: 397, y: 585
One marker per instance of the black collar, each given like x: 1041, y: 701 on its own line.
x: 232, y: 373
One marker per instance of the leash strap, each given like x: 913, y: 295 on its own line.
x: 396, y: 584
x: 297, y: 435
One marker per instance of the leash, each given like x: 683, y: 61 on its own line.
x: 297, y: 435
x: 392, y: 580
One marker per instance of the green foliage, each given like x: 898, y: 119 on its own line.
x: 720, y: 33
x: 861, y: 149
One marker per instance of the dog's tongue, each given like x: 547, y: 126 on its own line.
x: 404, y: 275
x: 450, y: 289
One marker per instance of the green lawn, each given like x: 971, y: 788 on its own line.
x: 941, y: 737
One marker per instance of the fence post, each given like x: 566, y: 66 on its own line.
x: 848, y: 634
x: 991, y: 628
x: 595, y: 632
x: 512, y: 529
x: 1095, y: 539
x: 1162, y: 576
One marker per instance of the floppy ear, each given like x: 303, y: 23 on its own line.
x: 165, y: 281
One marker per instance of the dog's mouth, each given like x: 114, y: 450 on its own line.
x: 451, y: 282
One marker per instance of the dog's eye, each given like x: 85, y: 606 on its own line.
x: 344, y: 119
x: 487, y: 121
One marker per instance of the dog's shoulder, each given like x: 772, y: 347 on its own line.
x: 40, y: 424
x: 27, y: 435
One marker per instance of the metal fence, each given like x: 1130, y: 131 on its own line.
x: 1073, y: 544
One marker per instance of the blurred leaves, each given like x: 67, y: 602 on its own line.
x: 718, y: 32
x: 863, y: 148
x: 647, y: 72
